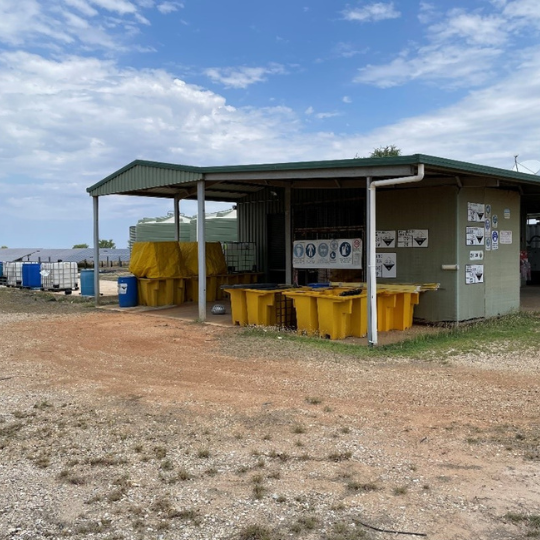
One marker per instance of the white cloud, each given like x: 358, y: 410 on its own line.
x: 323, y: 115
x: 377, y: 11
x: 243, y: 76
x: 309, y: 110
x: 346, y: 99
x: 463, y: 47
x: 472, y: 28
x: 454, y: 65
x: 83, y: 6
x: 122, y: 7
x: 348, y: 50
x: 527, y: 9
x: 489, y: 126
x: 426, y: 12
x: 169, y: 7
x: 81, y: 24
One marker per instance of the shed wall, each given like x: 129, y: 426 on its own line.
x: 433, y: 209
x: 499, y: 293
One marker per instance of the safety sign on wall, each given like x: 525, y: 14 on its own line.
x: 494, y: 240
x: 475, y: 236
x: 385, y: 239
x: 505, y: 237
x: 476, y: 212
x: 414, y: 238
x: 386, y: 265
x: 338, y: 253
x: 474, y: 273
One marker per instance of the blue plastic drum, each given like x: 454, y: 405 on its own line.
x: 127, y: 291
x: 31, y: 277
x: 87, y: 283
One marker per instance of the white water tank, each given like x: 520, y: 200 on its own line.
x: 13, y: 274
x: 60, y: 276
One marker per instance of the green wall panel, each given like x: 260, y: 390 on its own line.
x: 433, y: 209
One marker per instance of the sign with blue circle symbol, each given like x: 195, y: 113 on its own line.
x: 345, y: 249
x: 311, y: 250
x: 299, y: 250
x: 333, y: 255
x: 323, y: 250
x: 495, y: 236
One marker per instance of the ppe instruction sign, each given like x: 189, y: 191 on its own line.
x: 338, y: 253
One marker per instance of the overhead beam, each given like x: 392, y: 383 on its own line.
x: 353, y: 172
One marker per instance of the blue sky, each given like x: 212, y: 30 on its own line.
x: 86, y: 86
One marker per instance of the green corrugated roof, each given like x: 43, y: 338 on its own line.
x: 142, y: 175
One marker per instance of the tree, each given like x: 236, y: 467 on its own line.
x: 386, y: 151
x: 107, y: 244
x: 80, y: 246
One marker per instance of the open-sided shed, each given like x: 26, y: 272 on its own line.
x: 420, y: 218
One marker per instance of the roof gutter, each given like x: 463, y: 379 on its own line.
x: 372, y: 186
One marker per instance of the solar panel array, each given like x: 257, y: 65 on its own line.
x: 113, y: 256
x: 16, y: 254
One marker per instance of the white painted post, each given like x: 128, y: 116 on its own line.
x: 288, y: 236
x: 96, y: 250
x: 202, y: 250
x: 371, y: 264
x: 177, y: 219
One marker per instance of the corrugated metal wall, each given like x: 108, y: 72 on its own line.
x: 216, y: 230
x: 252, y: 221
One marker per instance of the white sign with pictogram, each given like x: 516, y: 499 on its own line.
x: 475, y: 236
x: 336, y: 253
x: 386, y: 265
x: 385, y: 239
x: 474, y: 273
x: 476, y: 212
x: 413, y: 238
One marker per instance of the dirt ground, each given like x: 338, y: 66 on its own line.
x: 131, y: 425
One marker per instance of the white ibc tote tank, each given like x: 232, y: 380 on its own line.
x: 59, y: 276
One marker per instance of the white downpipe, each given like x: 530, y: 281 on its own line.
x: 372, y: 186
x: 201, y: 250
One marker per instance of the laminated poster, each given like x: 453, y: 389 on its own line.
x: 505, y: 237
x: 476, y: 212
x: 474, y: 273
x: 338, y: 253
x: 475, y: 236
x: 413, y: 238
x: 385, y: 239
x: 386, y: 265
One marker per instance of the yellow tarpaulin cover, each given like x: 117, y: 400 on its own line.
x: 157, y: 260
x: 215, y: 259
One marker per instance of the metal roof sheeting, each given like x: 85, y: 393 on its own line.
x: 235, y: 182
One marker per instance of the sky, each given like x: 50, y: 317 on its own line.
x: 87, y: 86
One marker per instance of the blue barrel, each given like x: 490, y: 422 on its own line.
x: 31, y: 277
x: 127, y: 291
x: 87, y: 283
x: 1, y: 269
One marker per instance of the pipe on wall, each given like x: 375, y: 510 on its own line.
x: 371, y: 188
